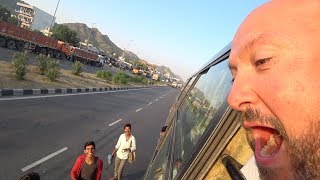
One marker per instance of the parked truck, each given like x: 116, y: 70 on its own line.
x: 15, y: 37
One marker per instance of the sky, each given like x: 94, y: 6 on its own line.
x: 180, y: 34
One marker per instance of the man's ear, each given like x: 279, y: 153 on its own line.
x: 84, y: 151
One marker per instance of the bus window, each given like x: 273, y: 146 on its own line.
x: 159, y: 166
x: 186, y: 88
x: 198, y: 111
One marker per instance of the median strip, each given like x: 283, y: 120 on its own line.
x: 21, y: 92
x: 43, y: 159
x: 60, y: 95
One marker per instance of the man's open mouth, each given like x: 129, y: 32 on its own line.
x: 267, y: 142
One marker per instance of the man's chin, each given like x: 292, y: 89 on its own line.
x: 90, y: 155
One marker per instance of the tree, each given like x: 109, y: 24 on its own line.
x: 13, y: 20
x: 64, y: 33
x: 4, y: 13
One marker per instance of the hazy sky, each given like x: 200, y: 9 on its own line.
x: 180, y: 34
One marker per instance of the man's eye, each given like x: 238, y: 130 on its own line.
x: 262, y: 61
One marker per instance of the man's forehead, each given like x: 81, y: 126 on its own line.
x: 247, y: 43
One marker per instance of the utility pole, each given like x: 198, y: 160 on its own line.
x: 54, y: 16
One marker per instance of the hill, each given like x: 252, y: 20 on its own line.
x: 103, y: 42
x: 96, y: 38
x: 164, y: 70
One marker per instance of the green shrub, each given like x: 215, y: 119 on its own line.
x: 42, y: 61
x: 104, y: 75
x: 20, y: 61
x: 108, y: 76
x: 77, y: 68
x: 145, y: 81
x: 121, y: 78
x: 99, y: 74
x: 140, y: 79
x: 137, y: 79
x: 53, y: 69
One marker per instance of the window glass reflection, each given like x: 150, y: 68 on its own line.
x: 198, y: 111
x: 159, y: 166
x: 185, y: 89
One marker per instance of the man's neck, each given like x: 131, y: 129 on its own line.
x: 89, y: 159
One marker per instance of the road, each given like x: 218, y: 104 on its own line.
x: 54, y: 130
x: 7, y: 55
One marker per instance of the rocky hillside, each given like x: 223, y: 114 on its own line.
x: 103, y: 42
x: 96, y: 38
x: 164, y: 69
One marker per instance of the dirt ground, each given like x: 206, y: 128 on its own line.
x: 34, y: 79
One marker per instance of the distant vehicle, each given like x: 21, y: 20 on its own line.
x: 135, y: 70
x: 15, y: 37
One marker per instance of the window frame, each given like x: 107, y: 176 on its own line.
x: 205, y: 152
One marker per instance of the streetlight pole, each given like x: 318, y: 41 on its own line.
x: 54, y: 16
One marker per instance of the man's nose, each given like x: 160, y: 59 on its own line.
x: 242, y: 94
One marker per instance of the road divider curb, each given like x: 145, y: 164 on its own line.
x: 22, y: 92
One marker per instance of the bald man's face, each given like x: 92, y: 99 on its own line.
x: 275, y: 63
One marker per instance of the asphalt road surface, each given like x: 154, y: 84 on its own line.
x: 47, y: 134
x: 7, y: 55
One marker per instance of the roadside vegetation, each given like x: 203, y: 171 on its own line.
x: 42, y: 63
x: 140, y: 79
x: 20, y: 61
x: 34, y: 79
x: 48, y: 67
x: 53, y: 69
x: 46, y: 73
x: 77, y: 68
x: 38, y: 75
x: 104, y: 75
x: 122, y: 78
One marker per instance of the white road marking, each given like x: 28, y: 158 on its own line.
x: 139, y: 109
x: 150, y: 103
x: 157, y: 99
x: 62, y: 95
x: 115, y: 122
x: 43, y: 159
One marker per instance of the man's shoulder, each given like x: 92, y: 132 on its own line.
x: 81, y: 157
